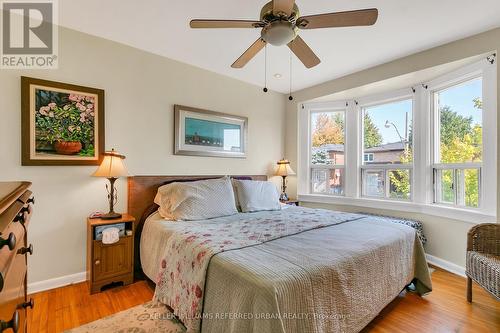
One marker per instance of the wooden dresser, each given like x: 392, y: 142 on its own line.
x: 15, y: 211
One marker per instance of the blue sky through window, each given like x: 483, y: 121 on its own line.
x: 460, y: 99
x: 394, y: 112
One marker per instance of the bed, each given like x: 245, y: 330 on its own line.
x: 333, y: 277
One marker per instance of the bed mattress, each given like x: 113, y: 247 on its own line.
x: 332, y: 279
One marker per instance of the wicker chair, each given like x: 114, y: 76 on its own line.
x: 483, y: 258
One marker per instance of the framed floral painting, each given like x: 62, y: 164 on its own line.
x: 62, y: 124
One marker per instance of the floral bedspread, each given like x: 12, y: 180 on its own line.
x: 181, y: 280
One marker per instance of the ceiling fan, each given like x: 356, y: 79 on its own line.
x: 280, y: 23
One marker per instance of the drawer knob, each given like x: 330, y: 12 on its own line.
x: 19, y: 217
x: 26, y: 209
x: 25, y: 250
x: 31, y: 200
x: 13, y: 323
x: 10, y: 241
x: 97, y: 262
x: 28, y: 304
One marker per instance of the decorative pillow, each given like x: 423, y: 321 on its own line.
x: 198, y: 200
x: 254, y: 196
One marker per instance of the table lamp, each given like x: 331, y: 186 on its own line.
x: 284, y: 170
x: 112, y: 167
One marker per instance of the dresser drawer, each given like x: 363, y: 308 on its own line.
x: 12, y: 308
x: 15, y: 231
x: 12, y: 295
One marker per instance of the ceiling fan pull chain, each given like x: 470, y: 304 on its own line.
x: 265, y: 68
x: 290, y: 97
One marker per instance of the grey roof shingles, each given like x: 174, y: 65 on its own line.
x: 392, y: 146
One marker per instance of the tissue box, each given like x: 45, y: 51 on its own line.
x: 99, y: 229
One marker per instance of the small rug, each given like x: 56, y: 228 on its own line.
x: 150, y: 317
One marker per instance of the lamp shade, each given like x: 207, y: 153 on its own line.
x: 284, y: 168
x: 112, y: 166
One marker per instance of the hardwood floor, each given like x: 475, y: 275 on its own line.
x: 444, y: 310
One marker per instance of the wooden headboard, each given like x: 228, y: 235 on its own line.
x: 141, y: 193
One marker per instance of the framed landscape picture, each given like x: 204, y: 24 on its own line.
x: 62, y: 124
x: 207, y: 133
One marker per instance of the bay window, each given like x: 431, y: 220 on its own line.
x: 430, y: 147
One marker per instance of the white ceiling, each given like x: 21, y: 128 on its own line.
x: 161, y: 27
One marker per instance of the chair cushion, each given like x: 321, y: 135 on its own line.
x: 484, y: 268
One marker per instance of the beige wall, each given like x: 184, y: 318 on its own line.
x: 447, y: 238
x: 141, y: 89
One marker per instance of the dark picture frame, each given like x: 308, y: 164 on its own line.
x: 201, y: 132
x: 61, y: 123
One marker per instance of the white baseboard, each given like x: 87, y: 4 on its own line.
x: 61, y: 281
x: 446, y: 265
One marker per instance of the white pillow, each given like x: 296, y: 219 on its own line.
x: 255, y: 196
x: 198, y: 200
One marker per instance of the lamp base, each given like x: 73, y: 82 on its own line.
x: 111, y: 216
x: 283, y: 197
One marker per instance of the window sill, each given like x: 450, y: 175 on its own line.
x: 464, y: 215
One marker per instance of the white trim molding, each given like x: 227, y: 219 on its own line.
x: 446, y: 265
x: 450, y: 212
x: 35, y: 287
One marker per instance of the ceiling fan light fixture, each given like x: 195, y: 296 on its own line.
x: 279, y: 33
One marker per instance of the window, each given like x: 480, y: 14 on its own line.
x: 387, y: 149
x: 458, y: 137
x: 430, y: 148
x: 327, y: 157
x: 368, y: 157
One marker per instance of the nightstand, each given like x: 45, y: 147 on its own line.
x: 110, y: 263
x: 292, y: 202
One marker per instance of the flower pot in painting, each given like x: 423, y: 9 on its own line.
x: 68, y: 147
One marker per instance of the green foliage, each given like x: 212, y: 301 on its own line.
x: 453, y: 125
x: 372, y: 136
x: 89, y: 151
x: 461, y: 141
x: 73, y: 120
x: 400, y: 179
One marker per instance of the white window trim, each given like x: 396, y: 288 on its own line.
x: 422, y: 199
x: 488, y: 197
x: 377, y: 100
x: 321, y: 107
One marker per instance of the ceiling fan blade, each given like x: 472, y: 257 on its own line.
x: 249, y: 53
x: 225, y: 24
x: 303, y: 52
x: 283, y: 6
x: 339, y: 19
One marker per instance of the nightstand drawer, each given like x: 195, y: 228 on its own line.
x: 110, y: 260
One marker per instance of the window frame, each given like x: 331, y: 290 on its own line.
x: 339, y: 107
x: 487, y: 167
x: 378, y: 100
x: 422, y: 186
x: 366, y: 157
